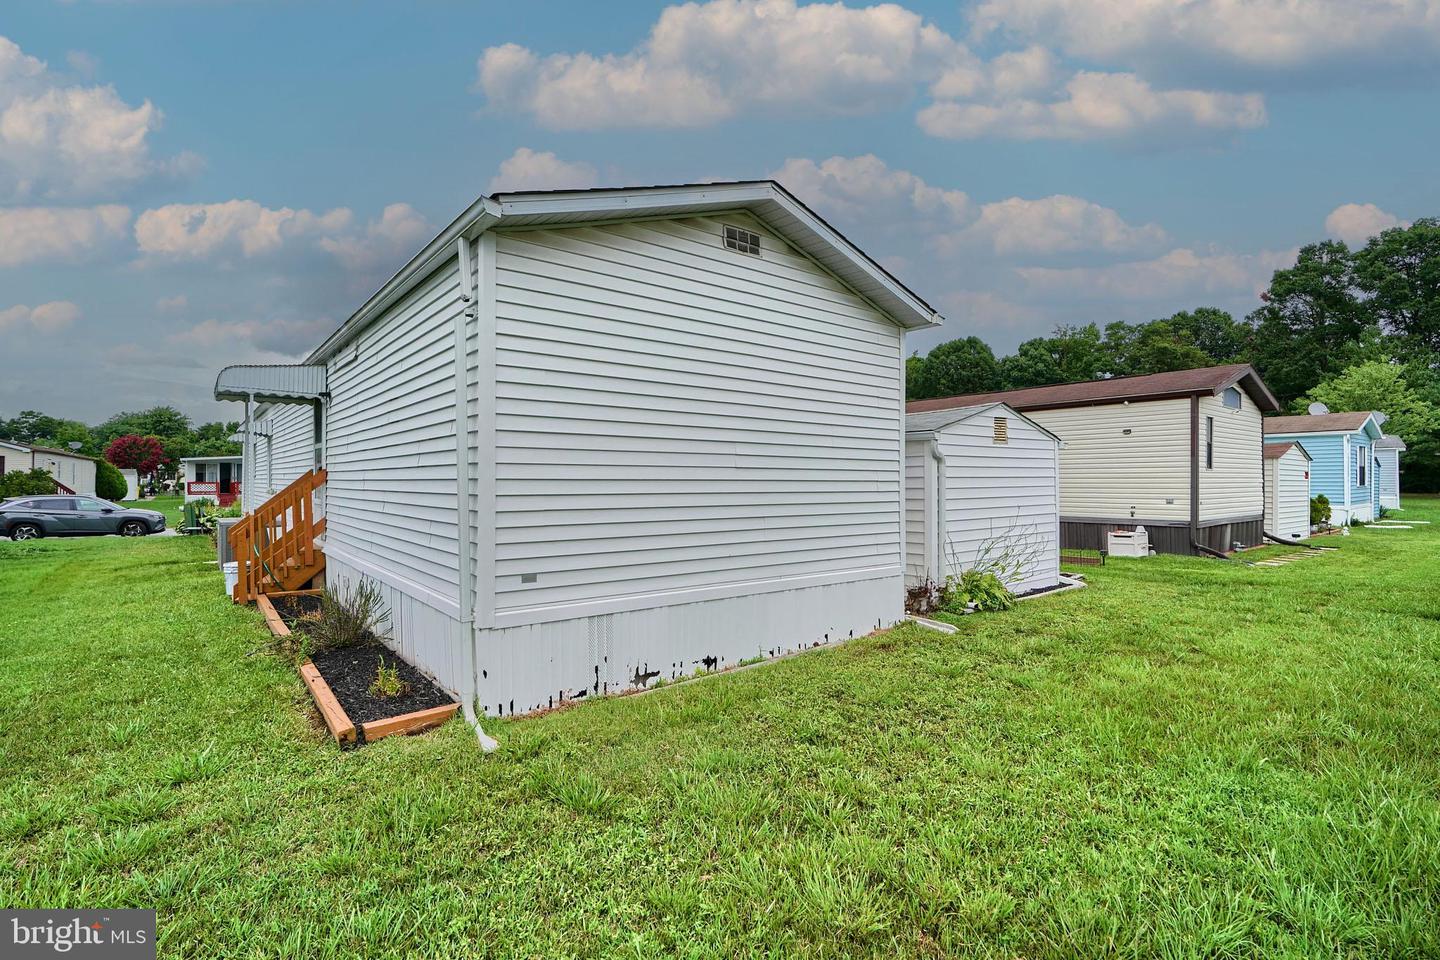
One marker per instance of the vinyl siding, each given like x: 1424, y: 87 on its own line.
x: 1389, y: 478
x: 673, y: 416
x: 917, y: 461
x: 1000, y: 500
x: 283, y: 449
x: 390, y: 446
x: 1233, y: 486
x: 1327, y: 467
x: 1105, y: 474
x: 1287, y: 495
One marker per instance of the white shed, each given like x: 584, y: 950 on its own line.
x: 1287, y: 490
x: 982, y: 488
x: 1387, y: 454
x: 585, y: 439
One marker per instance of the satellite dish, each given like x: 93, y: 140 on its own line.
x: 1380, y: 418
x: 1317, y: 409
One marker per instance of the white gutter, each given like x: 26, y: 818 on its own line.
x: 939, y: 506
x: 463, y: 514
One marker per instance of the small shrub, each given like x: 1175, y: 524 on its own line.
x: 1319, y: 510
x: 109, y: 482
x: 26, y: 483
x: 981, y: 588
x: 387, y: 683
x: 925, y: 597
x: 350, y: 614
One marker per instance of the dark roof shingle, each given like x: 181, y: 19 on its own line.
x: 1152, y: 386
x: 1317, y: 423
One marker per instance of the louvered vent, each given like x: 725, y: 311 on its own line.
x: 1002, y: 429
x: 742, y: 241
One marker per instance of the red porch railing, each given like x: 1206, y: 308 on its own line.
x: 211, y: 488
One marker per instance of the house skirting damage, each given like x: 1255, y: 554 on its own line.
x: 1165, y: 536
x: 521, y: 669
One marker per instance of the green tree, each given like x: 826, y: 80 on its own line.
x: 1412, y: 416
x: 1399, y: 271
x: 1313, y: 323
x: 967, y: 365
x: 1070, y: 354
x: 1219, y: 336
x: 109, y: 481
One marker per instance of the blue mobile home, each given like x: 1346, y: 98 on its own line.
x: 1343, y: 459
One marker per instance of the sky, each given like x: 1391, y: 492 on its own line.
x: 190, y: 183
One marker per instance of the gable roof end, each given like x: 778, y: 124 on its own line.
x: 1320, y: 423
x: 928, y: 422
x: 767, y: 200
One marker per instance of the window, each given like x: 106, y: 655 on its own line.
x: 57, y: 504
x: 1362, y: 460
x: 88, y: 505
x: 1231, y: 398
x: 1209, y: 443
x: 742, y: 241
x: 1002, y: 429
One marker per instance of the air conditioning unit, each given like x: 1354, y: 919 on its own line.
x: 1129, y: 543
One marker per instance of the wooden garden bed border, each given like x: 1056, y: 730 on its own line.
x: 341, y: 727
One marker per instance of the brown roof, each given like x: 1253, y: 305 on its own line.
x: 64, y: 453
x: 1317, y: 423
x: 1274, y: 451
x: 1152, y: 386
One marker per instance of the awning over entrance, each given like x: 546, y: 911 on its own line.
x: 272, y: 383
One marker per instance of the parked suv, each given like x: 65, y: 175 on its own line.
x: 26, y: 518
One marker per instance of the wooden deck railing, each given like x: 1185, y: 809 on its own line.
x: 275, y: 545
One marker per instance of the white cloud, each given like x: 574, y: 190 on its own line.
x: 35, y: 234
x: 703, y: 62
x: 1268, y: 35
x: 387, y: 242
x: 985, y: 310
x: 527, y: 169
x: 193, y: 231
x: 1058, y: 224
x: 866, y: 186
x: 1095, y: 105
x: 1356, y: 223
x: 49, y: 317
x: 59, y: 140
x: 1180, y: 273
x: 175, y: 304
x: 285, y: 335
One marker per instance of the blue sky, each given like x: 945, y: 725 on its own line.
x: 186, y: 183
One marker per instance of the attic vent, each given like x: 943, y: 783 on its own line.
x: 742, y: 241
x: 1002, y: 429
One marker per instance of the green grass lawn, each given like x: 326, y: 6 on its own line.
x: 1190, y: 758
x: 170, y: 505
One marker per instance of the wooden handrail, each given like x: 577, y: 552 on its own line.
x: 277, y: 537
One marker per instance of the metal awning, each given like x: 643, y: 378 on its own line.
x: 272, y: 383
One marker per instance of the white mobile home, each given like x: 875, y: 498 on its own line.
x: 1178, y: 453
x: 1287, y: 490
x: 73, y: 472
x: 589, y: 438
x: 982, y: 489
x: 1387, y: 471
x: 216, y: 479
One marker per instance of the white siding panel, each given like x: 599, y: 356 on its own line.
x: 1233, y: 486
x: 1287, y: 495
x: 1106, y: 473
x: 534, y: 666
x: 1000, y: 501
x: 390, y: 444
x: 671, y: 416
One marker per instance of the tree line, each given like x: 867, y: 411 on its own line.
x: 153, y: 440
x: 1353, y: 329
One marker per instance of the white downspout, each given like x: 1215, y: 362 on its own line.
x: 463, y: 514
x: 247, y: 449
x: 1348, y: 475
x: 940, y: 508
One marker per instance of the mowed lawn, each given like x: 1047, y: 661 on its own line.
x: 1190, y: 758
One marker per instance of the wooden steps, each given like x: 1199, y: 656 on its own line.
x: 275, y: 544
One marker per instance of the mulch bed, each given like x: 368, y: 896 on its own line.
x: 294, y: 607
x: 350, y: 671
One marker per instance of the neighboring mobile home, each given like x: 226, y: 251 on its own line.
x: 1387, y: 452
x: 1342, y: 459
x: 1178, y: 453
x: 674, y: 439
x: 216, y: 479
x: 1287, y: 490
x: 982, y: 489
x: 73, y: 472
